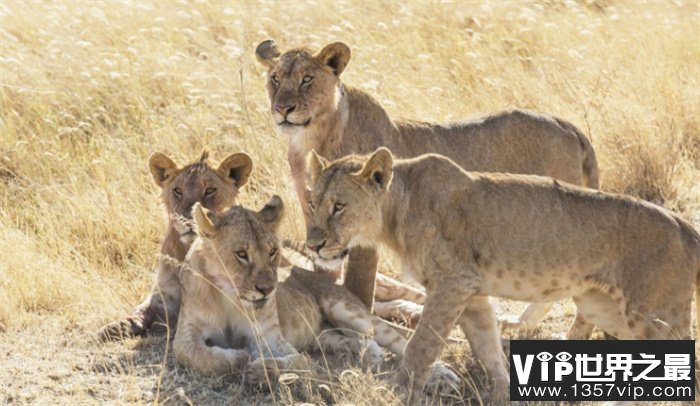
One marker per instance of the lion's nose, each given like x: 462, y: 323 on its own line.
x: 265, y: 290
x: 316, y: 247
x: 285, y: 109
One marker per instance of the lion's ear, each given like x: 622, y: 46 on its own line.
x: 236, y: 167
x: 272, y: 213
x: 162, y: 168
x: 335, y: 55
x: 315, y: 164
x: 378, y: 170
x: 204, y: 219
x: 267, y: 53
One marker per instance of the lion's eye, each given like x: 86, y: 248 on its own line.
x: 307, y: 79
x: 338, y: 207
x: 273, y: 252
x: 177, y: 192
x: 210, y: 191
x: 275, y: 79
x: 242, y: 255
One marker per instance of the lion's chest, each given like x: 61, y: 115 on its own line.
x: 228, y: 330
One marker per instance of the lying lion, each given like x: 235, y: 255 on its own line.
x: 214, y: 188
x: 312, y: 107
x: 234, y: 310
x: 630, y: 266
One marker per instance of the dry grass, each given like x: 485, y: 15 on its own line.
x: 88, y: 90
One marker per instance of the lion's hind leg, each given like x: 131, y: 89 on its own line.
x: 160, y: 309
x: 440, y: 378
x: 580, y: 328
x: 528, y: 319
x: 605, y: 311
x: 479, y: 324
x: 128, y: 327
x: 399, y: 309
x: 141, y: 319
x: 668, y: 319
x: 389, y: 289
x: 366, y: 349
x: 397, y: 300
x: 533, y: 315
x: 356, y: 318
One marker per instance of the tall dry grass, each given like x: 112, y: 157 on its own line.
x: 88, y: 90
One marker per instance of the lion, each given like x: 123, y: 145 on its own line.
x: 630, y: 266
x: 312, y: 107
x: 182, y: 187
x: 235, y: 314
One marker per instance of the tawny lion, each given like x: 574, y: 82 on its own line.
x: 182, y: 187
x: 234, y: 309
x: 312, y: 107
x: 630, y: 266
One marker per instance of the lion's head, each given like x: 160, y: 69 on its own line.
x: 241, y: 250
x: 302, y: 85
x: 345, y: 202
x: 214, y: 188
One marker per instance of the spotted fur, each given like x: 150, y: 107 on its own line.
x: 630, y: 266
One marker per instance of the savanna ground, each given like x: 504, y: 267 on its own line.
x: 88, y: 90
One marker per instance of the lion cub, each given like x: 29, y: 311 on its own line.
x: 182, y: 187
x: 233, y: 308
x: 630, y: 266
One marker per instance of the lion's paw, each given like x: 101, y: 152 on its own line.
x: 260, y: 372
x: 443, y: 379
x: 372, y: 356
x: 237, y: 359
x: 121, y: 329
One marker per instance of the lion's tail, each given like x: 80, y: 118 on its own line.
x: 590, y: 162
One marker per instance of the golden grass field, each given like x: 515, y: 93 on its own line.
x: 88, y: 90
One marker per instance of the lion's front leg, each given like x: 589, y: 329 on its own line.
x: 273, y: 357
x: 361, y: 274
x: 297, y: 166
x: 389, y: 289
x: 480, y: 326
x: 191, y: 350
x: 440, y: 314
